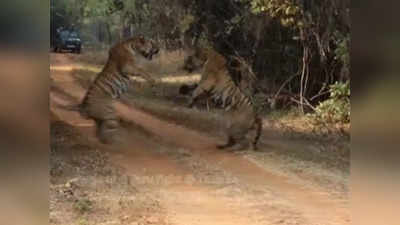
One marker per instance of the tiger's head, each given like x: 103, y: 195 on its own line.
x: 131, y: 56
x: 130, y: 49
x: 195, y: 60
x: 146, y: 47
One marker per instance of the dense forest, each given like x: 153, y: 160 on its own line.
x: 298, y: 49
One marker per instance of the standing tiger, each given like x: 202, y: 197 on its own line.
x: 125, y: 58
x: 217, y: 83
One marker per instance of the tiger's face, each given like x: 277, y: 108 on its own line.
x: 194, y: 61
x: 133, y: 49
x: 146, y: 47
x: 132, y: 57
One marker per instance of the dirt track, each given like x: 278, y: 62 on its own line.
x: 194, y: 183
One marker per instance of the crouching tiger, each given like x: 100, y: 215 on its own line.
x: 125, y: 58
x: 241, y: 114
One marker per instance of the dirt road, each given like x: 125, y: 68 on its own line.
x: 193, y: 182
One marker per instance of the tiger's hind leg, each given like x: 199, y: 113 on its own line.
x: 236, y: 143
x: 258, y: 129
x: 231, y: 142
x: 241, y: 145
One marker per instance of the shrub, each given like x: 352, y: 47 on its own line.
x: 83, y: 205
x: 336, y: 109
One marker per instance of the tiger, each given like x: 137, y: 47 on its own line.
x: 124, y: 59
x: 217, y: 83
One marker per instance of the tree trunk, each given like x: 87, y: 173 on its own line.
x: 109, y: 33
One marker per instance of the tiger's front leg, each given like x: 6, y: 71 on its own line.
x: 197, y: 93
x: 136, y: 71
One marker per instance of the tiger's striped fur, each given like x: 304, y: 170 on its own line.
x: 113, y: 81
x: 218, y: 84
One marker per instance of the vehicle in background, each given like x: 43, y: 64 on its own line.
x: 67, y: 40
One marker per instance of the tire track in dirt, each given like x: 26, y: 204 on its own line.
x: 197, y: 203
x: 315, y: 205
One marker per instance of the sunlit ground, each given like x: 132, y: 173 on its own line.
x: 175, y: 79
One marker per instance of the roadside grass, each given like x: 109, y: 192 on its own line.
x: 83, y: 205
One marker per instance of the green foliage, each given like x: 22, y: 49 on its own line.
x: 292, y: 46
x: 340, y: 90
x: 186, y: 22
x: 83, y: 205
x: 336, y: 109
x: 288, y: 12
x: 342, y: 51
x: 83, y: 221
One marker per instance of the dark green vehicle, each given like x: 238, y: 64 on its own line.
x: 67, y: 40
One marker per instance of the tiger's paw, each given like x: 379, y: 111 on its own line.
x: 240, y: 147
x: 221, y: 146
x: 107, y: 131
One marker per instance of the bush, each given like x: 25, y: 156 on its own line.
x: 336, y: 109
x: 83, y: 205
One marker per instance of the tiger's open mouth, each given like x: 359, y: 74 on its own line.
x: 188, y: 68
x: 149, y: 55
